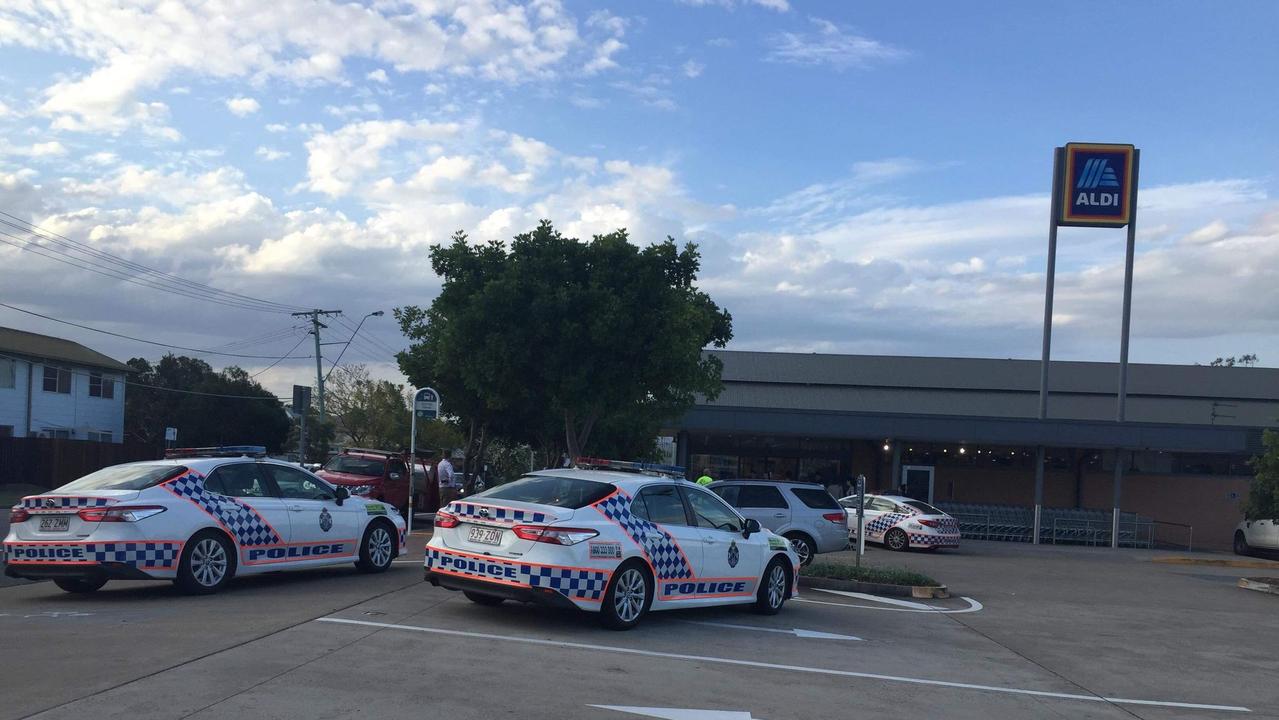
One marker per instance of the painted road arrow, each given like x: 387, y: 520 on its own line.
x: 680, y: 713
x: 797, y: 632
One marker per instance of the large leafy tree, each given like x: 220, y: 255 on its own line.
x: 367, y: 412
x: 207, y: 407
x: 554, y: 337
x: 1263, y: 499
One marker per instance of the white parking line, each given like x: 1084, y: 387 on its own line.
x: 797, y: 632
x: 776, y: 666
x: 973, y: 606
x: 878, y: 599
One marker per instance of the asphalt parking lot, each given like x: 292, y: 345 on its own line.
x: 1033, y: 632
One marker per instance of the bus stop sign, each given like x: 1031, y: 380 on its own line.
x: 426, y: 404
x: 1096, y: 185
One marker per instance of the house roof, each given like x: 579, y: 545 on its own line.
x: 44, y: 347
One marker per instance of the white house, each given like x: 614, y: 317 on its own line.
x: 50, y: 387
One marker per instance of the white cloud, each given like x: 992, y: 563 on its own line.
x: 242, y: 106
x: 51, y: 148
x: 134, y: 46
x: 603, y: 59
x: 338, y: 159
x: 343, y: 111
x: 378, y: 76
x: 277, y: 128
x: 270, y: 154
x: 832, y: 45
x: 692, y: 69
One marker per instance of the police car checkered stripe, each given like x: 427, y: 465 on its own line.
x: 882, y: 523
x: 505, y: 516
x: 62, y: 503
x: 242, y: 520
x: 658, y: 545
x: 948, y: 526
x: 572, y: 582
x: 917, y: 539
x: 138, y: 554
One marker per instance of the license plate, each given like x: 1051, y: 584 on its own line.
x: 57, y: 523
x: 488, y: 536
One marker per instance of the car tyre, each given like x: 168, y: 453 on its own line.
x: 804, y: 547
x: 1241, y: 544
x: 774, y: 587
x: 377, y: 548
x: 207, y: 564
x: 896, y: 539
x: 628, y: 597
x: 482, y: 599
x: 79, y: 586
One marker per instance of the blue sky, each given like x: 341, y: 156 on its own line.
x: 862, y: 177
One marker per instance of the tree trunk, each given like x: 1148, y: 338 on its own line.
x: 476, y: 463
x: 570, y: 435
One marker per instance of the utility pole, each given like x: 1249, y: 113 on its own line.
x: 319, y: 367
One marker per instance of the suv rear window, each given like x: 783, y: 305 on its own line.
x: 814, y: 498
x: 122, y: 477
x: 550, y: 490
x: 760, y: 496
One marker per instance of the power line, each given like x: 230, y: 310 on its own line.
x: 153, y: 342
x: 277, y: 362
x: 149, y: 277
x: 368, y: 338
x: 266, y: 338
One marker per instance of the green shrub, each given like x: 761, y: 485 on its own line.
x: 1263, y: 498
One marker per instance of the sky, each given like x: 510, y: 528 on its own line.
x: 861, y: 177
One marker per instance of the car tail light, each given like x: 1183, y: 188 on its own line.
x: 446, y: 520
x: 839, y: 518
x: 18, y: 514
x: 553, y: 535
x: 131, y: 513
x: 930, y: 523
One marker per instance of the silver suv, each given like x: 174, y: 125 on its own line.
x: 803, y: 513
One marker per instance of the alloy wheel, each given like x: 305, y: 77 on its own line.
x: 629, y: 595
x: 801, y: 549
x: 208, y: 562
x: 380, y: 546
x: 776, y: 586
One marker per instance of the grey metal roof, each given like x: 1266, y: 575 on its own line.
x: 44, y: 347
x: 997, y: 375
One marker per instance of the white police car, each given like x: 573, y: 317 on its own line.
x: 614, y: 538
x: 198, y: 517
x: 900, y: 522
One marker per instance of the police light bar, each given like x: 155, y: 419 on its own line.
x: 629, y: 466
x: 219, y: 451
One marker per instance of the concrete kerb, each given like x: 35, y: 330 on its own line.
x: 924, y: 592
x: 1261, y: 584
x: 1258, y: 564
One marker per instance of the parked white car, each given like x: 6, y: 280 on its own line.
x: 198, y: 518
x: 617, y: 544
x: 901, y: 523
x: 1256, y: 535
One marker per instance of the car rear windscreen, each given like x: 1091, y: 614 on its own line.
x: 122, y: 477
x: 923, y: 507
x: 550, y: 490
x: 355, y: 466
x: 815, y: 498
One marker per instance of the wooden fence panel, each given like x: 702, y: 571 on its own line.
x: 50, y: 463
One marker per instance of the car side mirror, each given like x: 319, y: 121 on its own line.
x: 342, y: 494
x: 752, y: 527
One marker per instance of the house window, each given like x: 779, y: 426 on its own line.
x: 101, y: 387
x: 99, y: 436
x: 7, y: 372
x: 57, y: 433
x: 57, y: 380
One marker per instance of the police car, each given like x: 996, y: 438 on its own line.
x: 901, y: 523
x: 198, y: 517
x: 608, y: 537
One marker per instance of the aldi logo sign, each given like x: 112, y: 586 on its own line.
x: 1097, y: 185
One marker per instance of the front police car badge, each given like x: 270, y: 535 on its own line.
x: 733, y: 554
x: 326, y: 520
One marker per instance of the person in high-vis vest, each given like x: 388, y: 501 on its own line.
x: 705, y: 479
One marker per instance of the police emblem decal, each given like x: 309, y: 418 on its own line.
x: 50, y: 503
x: 326, y: 520
x: 484, y: 512
x: 733, y: 555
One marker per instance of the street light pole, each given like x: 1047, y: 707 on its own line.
x: 315, y: 330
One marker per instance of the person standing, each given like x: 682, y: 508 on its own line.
x: 705, y: 479
x: 444, y: 471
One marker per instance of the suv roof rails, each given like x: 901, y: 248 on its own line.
x: 370, y: 451
x: 257, y: 451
